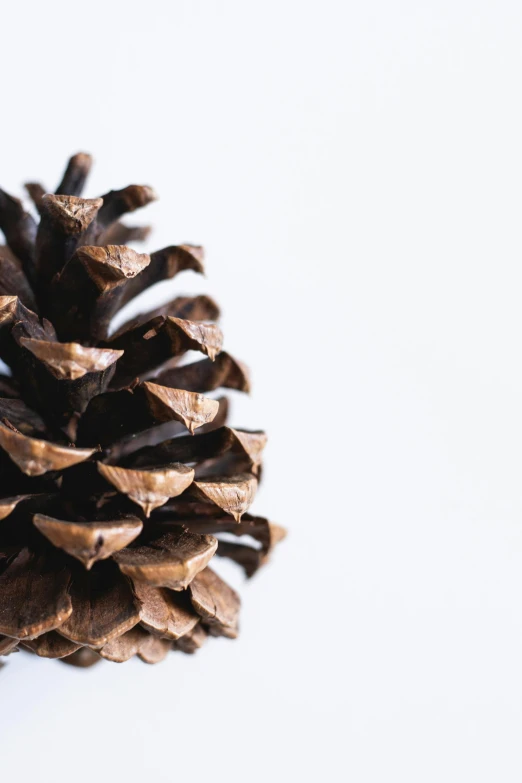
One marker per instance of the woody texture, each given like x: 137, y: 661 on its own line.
x: 120, y: 479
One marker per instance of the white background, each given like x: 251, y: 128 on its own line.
x: 354, y: 170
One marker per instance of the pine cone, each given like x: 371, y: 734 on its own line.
x: 118, y: 476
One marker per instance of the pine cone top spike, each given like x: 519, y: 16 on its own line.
x: 75, y: 175
x: 121, y: 479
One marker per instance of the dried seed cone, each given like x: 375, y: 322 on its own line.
x: 119, y: 477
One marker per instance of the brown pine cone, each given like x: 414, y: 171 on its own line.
x: 118, y: 477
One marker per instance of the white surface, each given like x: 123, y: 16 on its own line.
x: 353, y: 169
